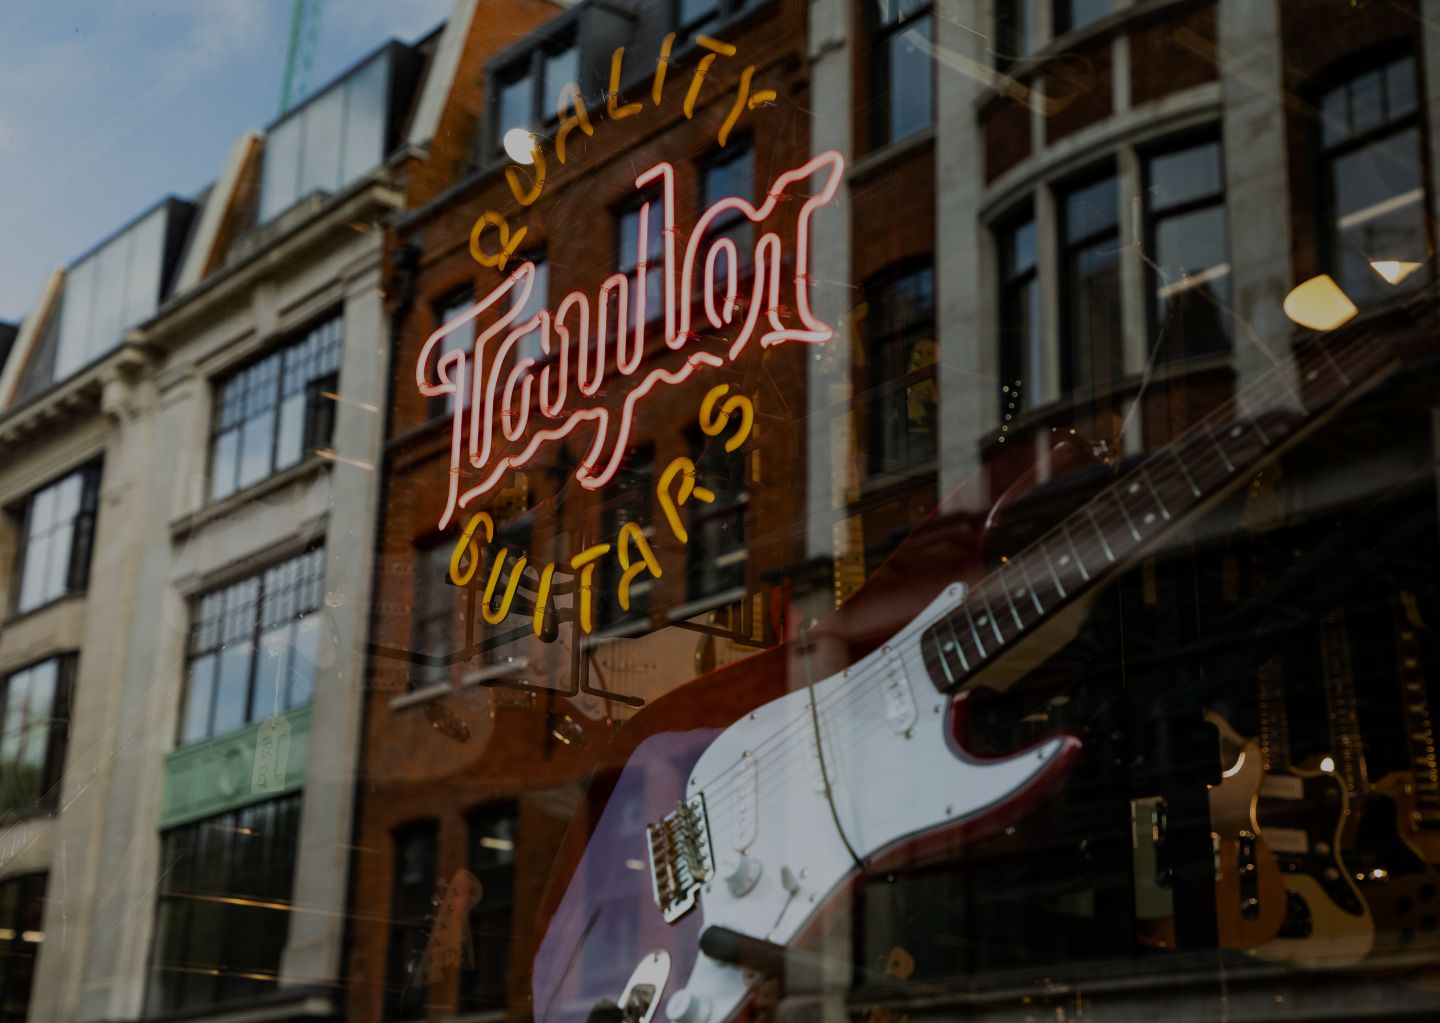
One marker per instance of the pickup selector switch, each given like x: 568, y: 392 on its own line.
x: 739, y: 872
x: 684, y: 1007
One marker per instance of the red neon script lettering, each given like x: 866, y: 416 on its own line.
x: 501, y: 385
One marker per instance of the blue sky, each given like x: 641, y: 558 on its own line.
x: 108, y: 105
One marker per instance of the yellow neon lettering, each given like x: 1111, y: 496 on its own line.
x: 737, y: 106
x: 569, y: 121
x: 467, y: 540
x: 496, y: 617
x: 694, y: 92
x: 761, y: 97
x: 685, y: 469
x: 528, y: 198
x: 508, y: 242
x: 612, y: 100
x: 634, y: 535
x: 585, y: 562
x: 713, y: 424
x: 716, y: 45
x: 661, y: 63
x: 543, y: 597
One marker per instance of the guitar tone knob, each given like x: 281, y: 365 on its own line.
x: 684, y: 1007
x: 740, y: 872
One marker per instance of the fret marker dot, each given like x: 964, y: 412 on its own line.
x: 949, y: 645
x: 1064, y: 559
x: 1149, y: 518
x: 1235, y: 431
x: 1311, y: 375
x: 1134, y: 488
x: 982, y: 619
x: 1020, y: 592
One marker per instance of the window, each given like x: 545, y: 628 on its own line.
x: 59, y: 532
x: 1073, y: 14
x: 900, y: 369
x: 901, y: 70
x: 411, y: 913
x: 731, y: 175
x: 331, y: 140
x: 1090, y: 288
x: 1014, y: 31
x: 22, y: 933
x: 492, y: 861
x: 633, y: 490
x: 462, y: 339
x: 224, y: 906
x: 693, y: 16
x: 1190, y: 262
x: 432, y: 623
x: 275, y: 411
x: 1374, y: 219
x: 253, y: 646
x: 529, y: 90
x: 528, y: 347
x: 717, y: 556
x: 1022, y: 345
x: 34, y: 724
x: 627, y: 250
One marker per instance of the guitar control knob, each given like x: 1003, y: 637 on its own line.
x: 740, y: 872
x: 684, y: 1007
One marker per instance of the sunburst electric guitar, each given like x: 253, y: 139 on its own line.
x: 744, y: 804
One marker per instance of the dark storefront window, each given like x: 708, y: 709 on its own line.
x: 1022, y: 343
x: 253, y: 648
x: 275, y: 412
x: 412, y: 910
x: 59, y: 531
x: 1374, y: 219
x: 224, y: 906
x: 1185, y: 204
x: 901, y: 355
x: 1092, y: 346
x: 22, y: 936
x: 492, y: 861
x: 902, y: 78
x: 34, y: 725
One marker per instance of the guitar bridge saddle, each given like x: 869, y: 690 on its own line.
x: 681, y: 858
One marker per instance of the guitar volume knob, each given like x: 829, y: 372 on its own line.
x: 740, y: 872
x: 685, y: 1007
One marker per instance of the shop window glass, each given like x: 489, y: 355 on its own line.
x: 59, y: 531
x: 224, y: 907
x: 492, y: 836
x: 1190, y: 267
x: 276, y: 411
x: 1373, y: 177
x: 902, y: 70
x: 34, y: 725
x: 1022, y: 345
x: 1073, y: 14
x: 254, y: 648
x: 901, y: 354
x: 1092, y: 353
x: 413, y: 902
x: 22, y: 936
x: 433, y: 615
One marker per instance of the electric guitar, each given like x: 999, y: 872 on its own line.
x: 1400, y: 888
x: 746, y: 802
x: 1418, y: 794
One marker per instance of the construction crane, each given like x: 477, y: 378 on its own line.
x: 300, y: 55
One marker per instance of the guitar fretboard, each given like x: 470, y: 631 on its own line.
x: 1344, y: 712
x: 1419, y: 729
x: 1146, y: 503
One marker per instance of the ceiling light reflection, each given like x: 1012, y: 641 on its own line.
x: 520, y: 146
x: 1319, y: 304
x: 1394, y: 270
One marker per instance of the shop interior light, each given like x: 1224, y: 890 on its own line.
x: 520, y: 146
x: 1319, y: 304
x: 1394, y: 270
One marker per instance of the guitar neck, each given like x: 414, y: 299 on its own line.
x: 1349, y: 750
x: 1419, y: 729
x: 1274, y: 717
x: 1145, y: 505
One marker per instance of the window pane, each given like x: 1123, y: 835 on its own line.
x: 75, y: 346
x: 516, y: 98
x: 300, y: 678
x: 560, y: 70
x: 910, y: 79
x: 694, y: 13
x: 1091, y: 210
x: 1184, y: 176
x: 365, y: 110
x: 272, y: 673
x: 1400, y: 89
x: 1376, y: 197
x: 1073, y: 14
x: 290, y: 444
x: 146, y: 262
x: 1193, y: 278
x: 224, y: 464
x: 57, y: 566
x: 232, y: 690
x: 198, y: 696
x: 282, y: 168
x: 1094, y: 322
x: 257, y: 437
x: 35, y: 573
x: 320, y: 158
x: 528, y: 346
x: 111, y: 265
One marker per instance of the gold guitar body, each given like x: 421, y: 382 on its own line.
x: 1250, y: 899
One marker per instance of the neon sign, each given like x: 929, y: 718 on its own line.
x: 505, y: 391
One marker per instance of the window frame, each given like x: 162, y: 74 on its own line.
x: 1066, y: 249
x: 256, y: 633
x: 880, y: 35
x: 82, y: 537
x: 311, y: 440
x: 489, y: 811
x: 1003, y: 230
x: 877, y: 389
x: 426, y: 830
x: 531, y: 65
x: 57, y: 738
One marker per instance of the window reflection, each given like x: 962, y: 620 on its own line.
x: 900, y: 370
x: 1092, y: 352
x: 22, y: 933
x: 1022, y: 352
x: 627, y: 255
x: 411, y: 913
x: 1073, y: 14
x: 59, y: 528
x: 901, y: 87
x: 492, y: 860
x: 34, y: 724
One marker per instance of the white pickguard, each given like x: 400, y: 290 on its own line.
x: 892, y: 772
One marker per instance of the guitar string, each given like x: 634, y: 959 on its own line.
x: 1202, y: 432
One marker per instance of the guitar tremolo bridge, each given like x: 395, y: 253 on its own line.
x: 681, y: 859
